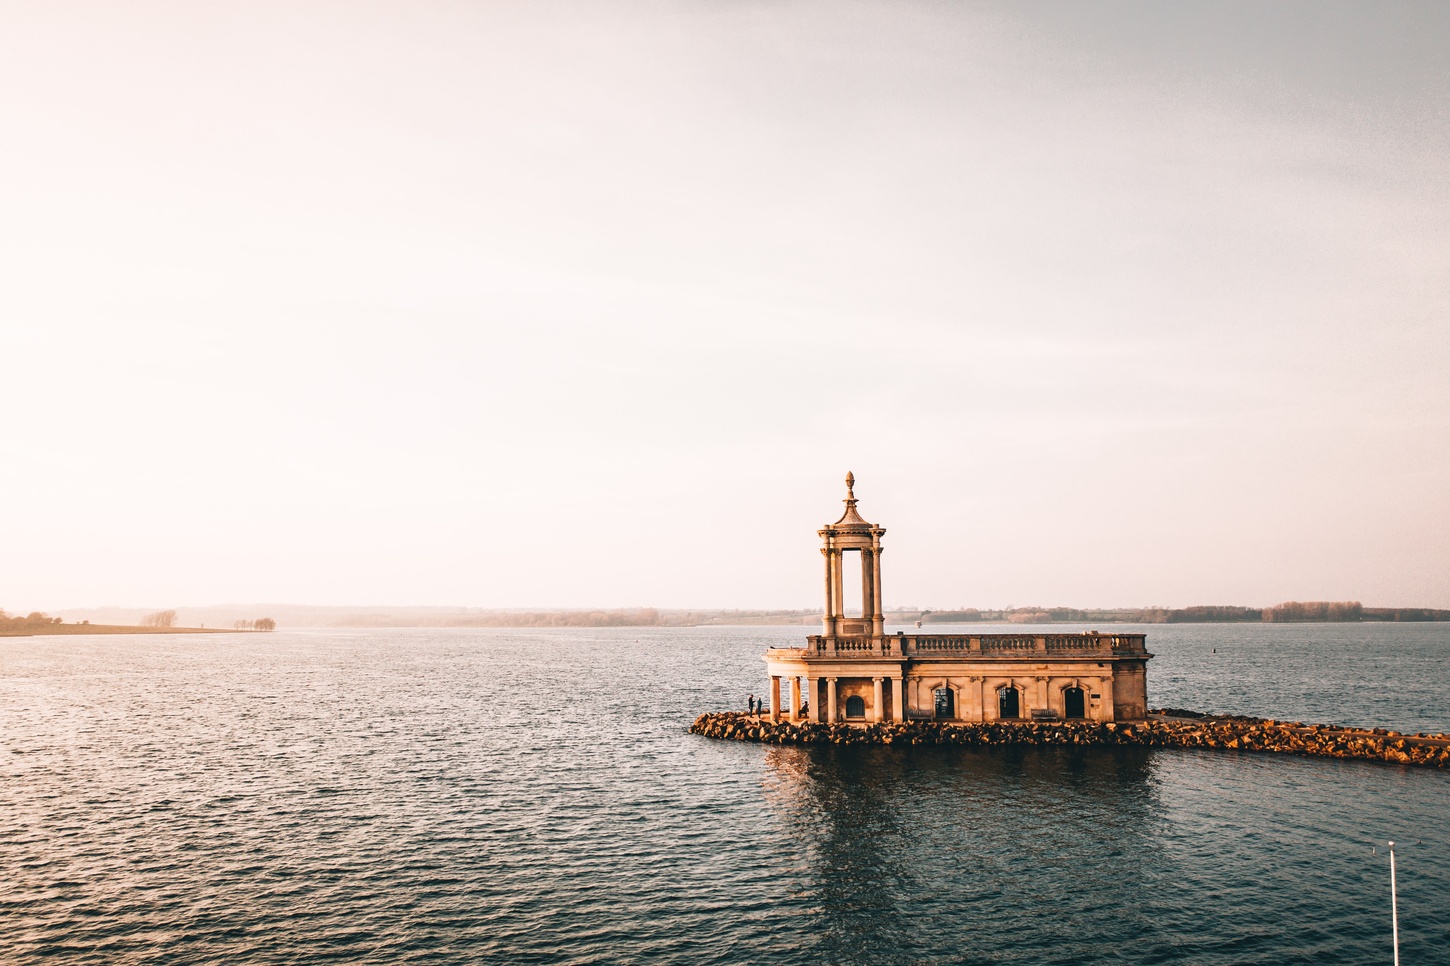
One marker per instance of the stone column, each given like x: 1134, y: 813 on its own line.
x: 866, y: 595
x: 876, y: 705
x: 838, y: 609
x: 878, y: 622
x: 812, y: 706
x: 830, y: 700
x: 795, y: 698
x: 898, y: 706
x: 828, y: 620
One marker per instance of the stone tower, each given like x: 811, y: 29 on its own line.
x: 852, y: 534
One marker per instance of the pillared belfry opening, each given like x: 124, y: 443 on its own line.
x: 852, y: 534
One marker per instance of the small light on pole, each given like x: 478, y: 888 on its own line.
x: 1394, y: 906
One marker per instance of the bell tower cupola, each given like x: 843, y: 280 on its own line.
x: 850, y: 534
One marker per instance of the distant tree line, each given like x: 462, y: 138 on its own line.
x: 33, y: 619
x: 1349, y: 610
x: 1318, y: 611
x: 162, y: 618
x: 616, y: 617
x: 260, y: 624
x: 1289, y: 612
x: 641, y: 617
x: 1405, y: 614
x: 635, y: 617
x: 1213, y: 614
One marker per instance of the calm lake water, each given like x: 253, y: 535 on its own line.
x: 469, y: 796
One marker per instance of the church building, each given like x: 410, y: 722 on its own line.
x: 855, y: 672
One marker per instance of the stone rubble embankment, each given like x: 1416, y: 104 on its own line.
x: 1158, y: 731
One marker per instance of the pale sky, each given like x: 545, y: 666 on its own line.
x: 594, y: 304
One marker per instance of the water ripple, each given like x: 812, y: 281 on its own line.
x: 532, y: 797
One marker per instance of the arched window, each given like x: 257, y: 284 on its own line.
x: 945, y: 703
x: 1073, y: 705
x: 855, y: 706
x: 1009, y: 705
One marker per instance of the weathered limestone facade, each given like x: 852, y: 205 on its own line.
x: 854, y: 672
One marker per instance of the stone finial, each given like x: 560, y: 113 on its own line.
x: 851, y: 518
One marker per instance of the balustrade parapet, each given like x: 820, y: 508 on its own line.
x: 975, y: 645
x: 1010, y: 644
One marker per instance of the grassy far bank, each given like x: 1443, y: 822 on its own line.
x: 46, y: 630
x: 37, y: 624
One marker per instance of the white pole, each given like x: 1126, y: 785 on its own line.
x: 1394, y: 906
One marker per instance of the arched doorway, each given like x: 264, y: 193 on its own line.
x: 855, y: 706
x: 1009, y: 704
x: 1073, y: 705
x: 946, y: 705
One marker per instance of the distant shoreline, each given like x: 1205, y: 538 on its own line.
x: 55, y: 630
x: 1349, y: 612
x: 224, y: 618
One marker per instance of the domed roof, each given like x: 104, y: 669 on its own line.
x: 851, y: 520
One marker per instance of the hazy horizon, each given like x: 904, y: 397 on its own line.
x: 291, y: 615
x: 570, y: 306
x: 266, y: 608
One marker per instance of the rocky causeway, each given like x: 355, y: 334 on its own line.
x: 1163, y: 728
